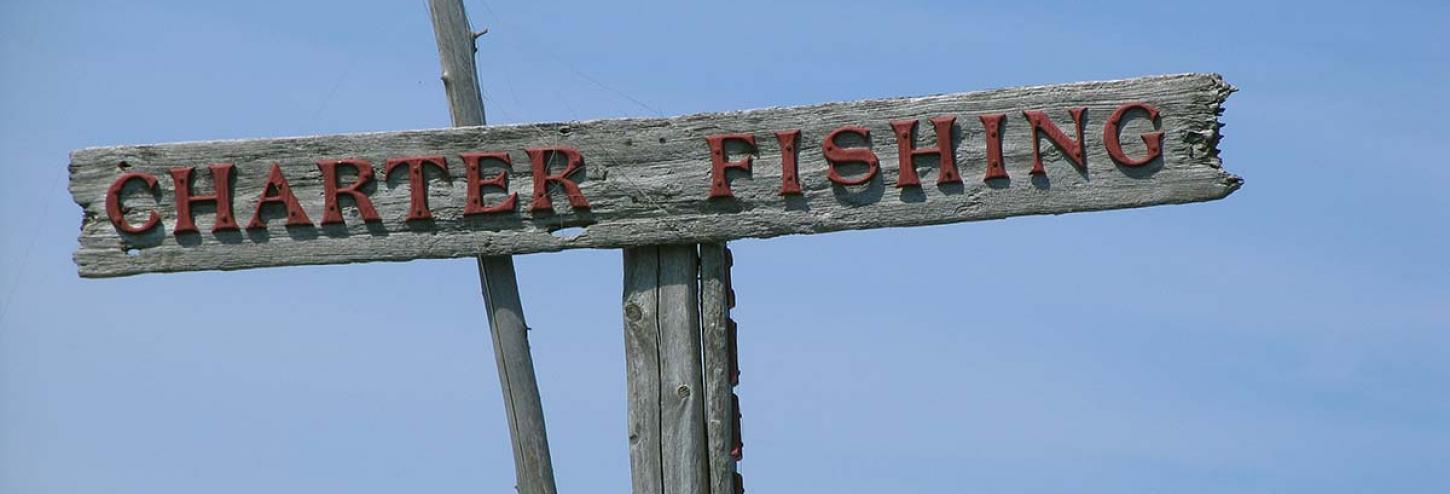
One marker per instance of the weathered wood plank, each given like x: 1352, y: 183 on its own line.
x: 524, y: 409
x: 682, y: 392
x: 719, y: 410
x: 647, y: 180
x: 642, y: 367
x: 533, y: 467
x: 666, y: 390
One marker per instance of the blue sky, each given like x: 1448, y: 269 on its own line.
x: 1294, y: 337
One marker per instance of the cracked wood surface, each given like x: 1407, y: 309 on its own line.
x: 647, y: 180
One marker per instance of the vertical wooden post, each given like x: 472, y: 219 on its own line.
x: 533, y: 468
x: 717, y: 334
x: 667, y: 437
x: 682, y: 390
x: 642, y: 367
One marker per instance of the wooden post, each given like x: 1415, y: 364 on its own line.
x: 717, y: 335
x: 533, y: 469
x: 667, y: 436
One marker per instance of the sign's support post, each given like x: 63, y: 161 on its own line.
x: 665, y: 384
x: 532, y: 466
x: 679, y: 367
x: 722, y: 368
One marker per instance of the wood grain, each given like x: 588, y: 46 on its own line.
x: 682, y: 392
x: 647, y: 180
x: 666, y: 392
x: 642, y: 368
x: 714, y: 338
x: 533, y: 466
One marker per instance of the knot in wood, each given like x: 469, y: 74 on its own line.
x: 683, y: 391
x: 632, y: 312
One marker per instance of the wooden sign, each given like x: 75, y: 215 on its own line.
x: 511, y: 189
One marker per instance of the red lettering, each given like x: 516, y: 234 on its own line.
x: 719, y: 185
x: 993, y: 124
x: 540, y: 160
x: 332, y: 213
x: 789, y: 182
x: 417, y: 182
x: 283, y: 194
x: 907, y: 151
x: 1072, y: 149
x: 836, y: 154
x: 118, y: 214
x: 221, y: 179
x: 1112, y: 131
x: 472, y: 161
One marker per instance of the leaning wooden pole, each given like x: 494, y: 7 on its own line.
x: 525, y: 411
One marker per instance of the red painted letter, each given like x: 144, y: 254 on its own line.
x: 993, y: 124
x: 719, y: 186
x: 276, y: 182
x: 476, y: 183
x: 789, y: 182
x: 221, y: 179
x: 1111, y: 131
x: 417, y: 182
x: 1072, y: 149
x: 907, y: 151
x: 332, y: 213
x: 540, y: 159
x: 835, y: 154
x: 113, y: 203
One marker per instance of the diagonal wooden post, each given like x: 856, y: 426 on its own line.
x: 533, y: 469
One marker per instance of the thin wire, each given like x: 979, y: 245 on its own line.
x: 503, y: 110
x: 586, y: 77
x: 637, y: 191
x: 570, y: 65
x: 25, y: 258
x: 609, y: 159
x: 317, y: 115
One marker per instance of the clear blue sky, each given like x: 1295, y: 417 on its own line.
x: 1294, y: 337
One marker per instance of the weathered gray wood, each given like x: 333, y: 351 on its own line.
x: 714, y: 336
x: 647, y: 180
x: 456, y: 50
x: 533, y: 467
x: 642, y: 367
x: 667, y: 438
x: 682, y: 392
